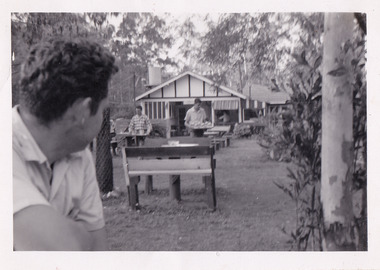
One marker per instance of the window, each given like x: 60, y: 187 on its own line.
x: 156, y: 110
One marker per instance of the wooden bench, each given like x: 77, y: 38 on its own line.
x: 222, y: 141
x: 173, y: 161
x: 210, y: 134
x: 228, y: 138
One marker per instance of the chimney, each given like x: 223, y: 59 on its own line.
x: 154, y: 76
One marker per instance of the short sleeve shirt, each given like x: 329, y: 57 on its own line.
x: 141, y: 122
x: 70, y: 187
x: 194, y: 116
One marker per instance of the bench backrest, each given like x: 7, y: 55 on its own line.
x: 168, y: 160
x: 172, y: 151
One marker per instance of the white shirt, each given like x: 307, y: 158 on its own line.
x: 74, y: 191
x: 194, y: 116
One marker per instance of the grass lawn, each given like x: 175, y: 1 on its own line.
x: 250, y: 209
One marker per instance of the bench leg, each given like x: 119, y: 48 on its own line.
x: 114, y: 146
x: 133, y: 192
x: 148, y: 184
x: 223, y: 143
x: 210, y: 191
x: 216, y: 146
x: 175, y: 187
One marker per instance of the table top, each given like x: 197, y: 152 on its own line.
x: 200, y: 128
x: 131, y: 135
x: 185, y: 140
x: 181, y: 150
x: 219, y: 129
x: 180, y: 145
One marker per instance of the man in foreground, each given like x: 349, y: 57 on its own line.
x: 195, y: 116
x: 56, y: 200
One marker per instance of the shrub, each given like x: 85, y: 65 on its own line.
x: 242, y: 130
x: 272, y: 140
x: 296, y: 134
x: 158, y: 130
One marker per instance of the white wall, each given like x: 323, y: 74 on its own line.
x: 196, y: 87
x: 183, y: 87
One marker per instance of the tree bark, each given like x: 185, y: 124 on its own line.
x: 104, y: 167
x: 337, y: 135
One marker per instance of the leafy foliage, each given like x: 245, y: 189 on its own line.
x: 300, y: 136
x: 30, y: 28
x: 242, y: 130
x: 142, y: 39
x: 257, y: 47
x: 358, y: 50
x: 301, y: 132
x: 272, y: 138
x: 238, y: 42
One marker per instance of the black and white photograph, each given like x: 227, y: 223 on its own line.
x: 191, y: 138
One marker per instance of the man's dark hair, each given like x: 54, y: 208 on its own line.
x: 138, y: 107
x: 197, y: 100
x: 59, y: 71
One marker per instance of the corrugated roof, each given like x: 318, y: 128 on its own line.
x: 265, y: 94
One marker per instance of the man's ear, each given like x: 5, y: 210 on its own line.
x: 86, y: 106
x: 80, y: 111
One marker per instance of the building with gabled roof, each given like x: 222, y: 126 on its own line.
x: 263, y: 99
x: 169, y: 101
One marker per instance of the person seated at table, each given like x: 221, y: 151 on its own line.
x: 194, y: 116
x: 140, y: 125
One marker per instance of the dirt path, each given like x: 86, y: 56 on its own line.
x: 250, y: 208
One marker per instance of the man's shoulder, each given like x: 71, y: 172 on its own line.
x: 201, y: 111
x: 135, y: 117
x: 191, y: 110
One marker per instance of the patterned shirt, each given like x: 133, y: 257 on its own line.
x: 141, y: 122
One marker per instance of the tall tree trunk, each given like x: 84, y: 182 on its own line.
x: 104, y: 167
x: 337, y: 139
x: 240, y: 78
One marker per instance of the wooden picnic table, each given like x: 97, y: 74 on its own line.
x: 219, y: 130
x: 189, y: 156
x: 129, y: 139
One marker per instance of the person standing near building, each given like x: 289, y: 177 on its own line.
x: 140, y: 125
x: 225, y: 118
x: 195, y: 116
x: 56, y: 198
